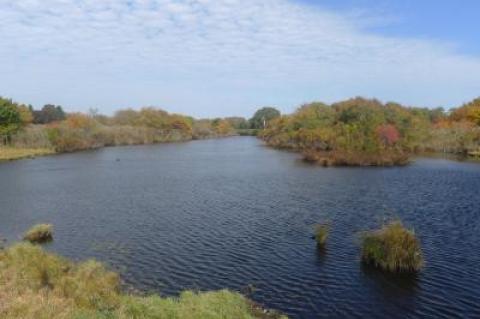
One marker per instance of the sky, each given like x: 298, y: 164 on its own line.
x: 209, y: 58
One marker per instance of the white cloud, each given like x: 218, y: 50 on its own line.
x: 221, y: 57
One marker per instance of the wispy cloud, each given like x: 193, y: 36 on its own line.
x: 207, y: 57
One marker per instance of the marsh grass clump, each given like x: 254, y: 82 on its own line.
x: 393, y: 248
x: 37, y: 284
x: 40, y: 233
x: 321, y: 234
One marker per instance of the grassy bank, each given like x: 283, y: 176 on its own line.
x: 14, y: 153
x: 35, y: 284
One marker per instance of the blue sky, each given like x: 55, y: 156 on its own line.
x: 443, y: 20
x: 228, y: 57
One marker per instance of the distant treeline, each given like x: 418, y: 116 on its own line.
x: 51, y: 127
x: 357, y: 131
x: 367, y: 132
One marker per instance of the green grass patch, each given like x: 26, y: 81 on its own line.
x: 40, y: 233
x: 393, y: 248
x: 35, y: 284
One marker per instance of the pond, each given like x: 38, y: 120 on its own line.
x: 232, y: 213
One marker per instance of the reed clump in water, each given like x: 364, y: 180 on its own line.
x: 393, y: 248
x: 321, y: 234
x: 40, y: 233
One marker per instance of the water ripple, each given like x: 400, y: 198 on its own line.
x: 229, y: 214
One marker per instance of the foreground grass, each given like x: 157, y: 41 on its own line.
x: 13, y: 153
x: 35, y: 284
x: 392, y: 248
x: 39, y: 233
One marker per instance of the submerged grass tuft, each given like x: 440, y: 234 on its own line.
x: 35, y: 284
x: 393, y: 248
x: 40, y: 233
x: 321, y: 234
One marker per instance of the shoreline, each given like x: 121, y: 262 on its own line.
x: 90, y: 289
x: 12, y: 153
x: 8, y: 154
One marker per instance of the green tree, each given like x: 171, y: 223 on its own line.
x: 264, y: 115
x: 237, y: 123
x: 10, y: 119
x: 49, y: 113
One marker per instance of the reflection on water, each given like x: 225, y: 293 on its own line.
x: 322, y: 255
x: 231, y: 213
x: 388, y: 284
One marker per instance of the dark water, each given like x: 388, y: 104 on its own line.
x: 228, y: 213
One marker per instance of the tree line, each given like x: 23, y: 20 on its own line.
x: 52, y: 127
x: 356, y: 131
x: 363, y: 131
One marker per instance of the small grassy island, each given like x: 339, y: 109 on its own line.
x: 392, y: 248
x: 35, y: 284
x: 40, y: 233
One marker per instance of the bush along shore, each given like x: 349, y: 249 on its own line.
x: 354, y: 132
x: 36, y: 284
x: 25, y: 132
x: 367, y: 132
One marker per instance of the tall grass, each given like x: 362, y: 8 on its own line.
x: 321, y: 234
x: 35, y: 284
x: 39, y: 233
x: 392, y: 248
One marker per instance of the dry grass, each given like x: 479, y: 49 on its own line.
x: 39, y: 233
x: 321, y: 234
x: 339, y: 158
x: 35, y: 284
x: 392, y: 248
x: 13, y: 153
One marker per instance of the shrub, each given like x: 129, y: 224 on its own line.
x: 393, y: 248
x: 321, y: 234
x: 39, y: 233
